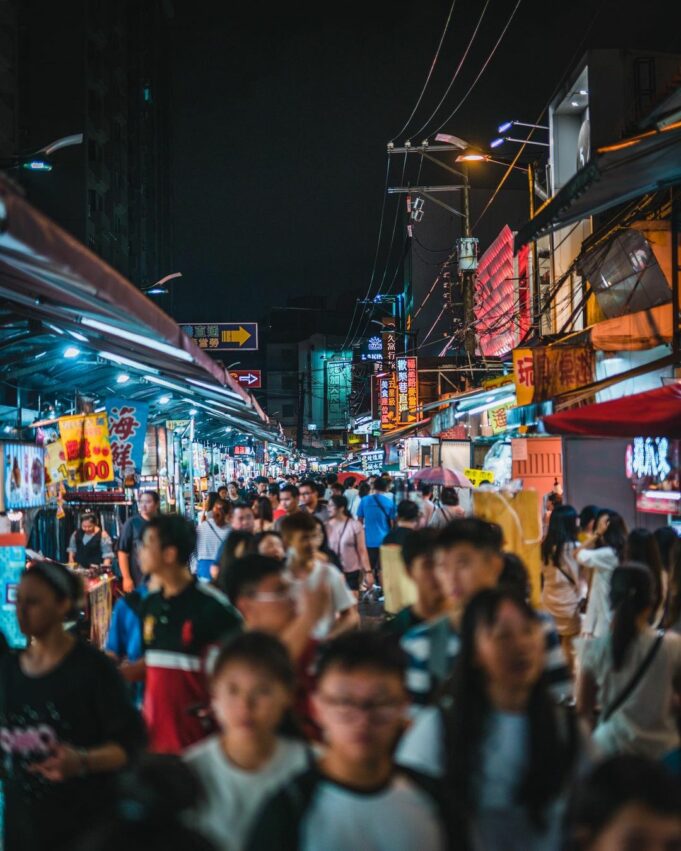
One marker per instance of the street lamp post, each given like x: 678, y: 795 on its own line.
x: 38, y: 160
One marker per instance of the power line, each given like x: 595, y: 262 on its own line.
x: 485, y: 64
x: 430, y: 72
x: 458, y: 68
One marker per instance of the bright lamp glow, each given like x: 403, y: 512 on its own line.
x: 164, y: 400
x: 123, y: 378
x: 505, y: 127
x: 156, y: 345
x: 165, y: 383
x: 71, y: 352
x: 497, y: 142
x: 471, y: 157
x: 479, y: 410
x: 121, y: 361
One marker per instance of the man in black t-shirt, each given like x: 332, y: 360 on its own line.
x: 131, y: 538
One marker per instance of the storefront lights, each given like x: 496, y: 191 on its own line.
x: 504, y: 400
x: 156, y: 345
x: 71, y: 352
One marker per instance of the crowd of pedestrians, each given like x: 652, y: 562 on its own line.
x: 241, y: 703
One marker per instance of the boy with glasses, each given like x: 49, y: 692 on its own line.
x: 354, y: 796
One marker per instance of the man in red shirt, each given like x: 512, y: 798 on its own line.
x: 181, y: 624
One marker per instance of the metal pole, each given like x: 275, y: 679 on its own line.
x: 536, y: 296
x: 192, y: 507
x: 467, y: 275
x: 676, y: 215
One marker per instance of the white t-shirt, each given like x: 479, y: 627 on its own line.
x: 603, y: 562
x: 560, y: 596
x: 399, y: 817
x: 500, y: 824
x: 644, y: 724
x: 209, y: 538
x: 233, y: 796
x: 342, y: 598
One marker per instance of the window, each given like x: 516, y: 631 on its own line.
x: 289, y: 382
x: 288, y: 411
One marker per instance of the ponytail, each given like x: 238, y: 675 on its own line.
x: 630, y: 595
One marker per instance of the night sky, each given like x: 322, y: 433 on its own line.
x: 280, y: 124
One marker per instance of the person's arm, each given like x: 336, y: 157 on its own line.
x: 314, y: 603
x: 133, y: 672
x: 587, y: 694
x: 126, y: 575
x: 360, y: 512
x: 67, y: 762
x: 362, y: 552
x: 345, y: 622
x: 107, y: 549
x: 72, y: 549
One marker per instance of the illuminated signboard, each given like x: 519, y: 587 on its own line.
x: 372, y: 462
x: 372, y: 349
x: 407, y: 390
x: 387, y: 382
x: 654, y: 461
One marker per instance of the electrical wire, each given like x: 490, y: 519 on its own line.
x: 458, y: 69
x: 484, y: 67
x: 430, y: 72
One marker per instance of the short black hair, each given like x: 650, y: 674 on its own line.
x: 340, y: 502
x: 273, y: 489
x: 480, y: 534
x: 299, y: 521
x: 292, y: 489
x: 420, y: 542
x: 514, y: 574
x: 155, y: 495
x: 242, y: 504
x: 357, y: 651
x: 381, y: 484
x: 89, y: 516
x: 449, y: 496
x: 64, y: 583
x: 331, y: 478
x: 173, y: 530
x: 246, y: 573
x: 261, y: 651
x: 614, y: 784
x: 308, y: 483
x: 425, y: 488
x: 408, y: 510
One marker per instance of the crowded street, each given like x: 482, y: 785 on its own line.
x: 340, y: 503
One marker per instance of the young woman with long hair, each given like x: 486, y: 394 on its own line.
x: 642, y: 547
x: 505, y: 751
x: 346, y: 537
x: 563, y: 589
x: 66, y: 721
x: 602, y: 554
x: 632, y: 673
x: 264, y: 516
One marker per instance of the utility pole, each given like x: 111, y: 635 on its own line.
x: 301, y: 412
x: 468, y: 261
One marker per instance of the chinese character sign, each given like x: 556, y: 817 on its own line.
x: 87, y: 452
x: 523, y: 375
x: 407, y: 390
x: 496, y: 417
x: 338, y: 381
x: 559, y: 369
x: 223, y: 336
x: 127, y: 430
x: 653, y: 462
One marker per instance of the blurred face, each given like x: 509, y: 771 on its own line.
x: 271, y: 608
x: 222, y: 492
x: 273, y: 547
x: 288, y: 502
x: 511, y: 651
x: 602, y: 524
x: 88, y: 527
x: 219, y: 515
x: 333, y: 510
x: 361, y: 712
x: 248, y: 701
x: 423, y: 574
x: 147, y: 506
x: 303, y: 544
x: 463, y: 570
x: 308, y: 497
x: 636, y: 828
x: 38, y: 608
x: 318, y: 538
x: 262, y: 488
x: 152, y: 557
x: 243, y: 520
x: 232, y: 491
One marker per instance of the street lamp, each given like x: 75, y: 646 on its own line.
x: 160, y: 288
x: 500, y: 141
x: 506, y: 126
x: 38, y: 161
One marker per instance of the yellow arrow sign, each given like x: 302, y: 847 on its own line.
x: 240, y: 336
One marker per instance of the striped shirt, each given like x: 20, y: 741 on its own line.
x: 432, y: 649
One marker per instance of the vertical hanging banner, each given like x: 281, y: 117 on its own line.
x: 523, y: 376
x: 127, y: 430
x: 407, y: 390
x: 387, y: 382
x: 87, y: 451
x: 338, y: 380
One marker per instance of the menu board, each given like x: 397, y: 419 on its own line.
x: 23, y: 475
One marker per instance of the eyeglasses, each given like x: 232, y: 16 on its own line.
x: 349, y: 711
x: 273, y: 596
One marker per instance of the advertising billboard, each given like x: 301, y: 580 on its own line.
x: 23, y: 475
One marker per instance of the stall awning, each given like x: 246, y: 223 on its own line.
x: 656, y: 413
x: 55, y: 294
x: 410, y: 430
x: 615, y: 174
x: 644, y: 329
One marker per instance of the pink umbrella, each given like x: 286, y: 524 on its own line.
x: 442, y: 476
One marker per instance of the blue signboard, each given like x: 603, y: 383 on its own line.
x: 12, y: 565
x: 223, y: 336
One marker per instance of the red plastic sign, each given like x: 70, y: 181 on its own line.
x: 249, y: 378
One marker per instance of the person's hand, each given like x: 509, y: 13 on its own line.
x: 62, y: 764
x: 368, y: 581
x: 128, y: 585
x: 315, y: 602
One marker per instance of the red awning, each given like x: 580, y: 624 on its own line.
x: 656, y: 413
